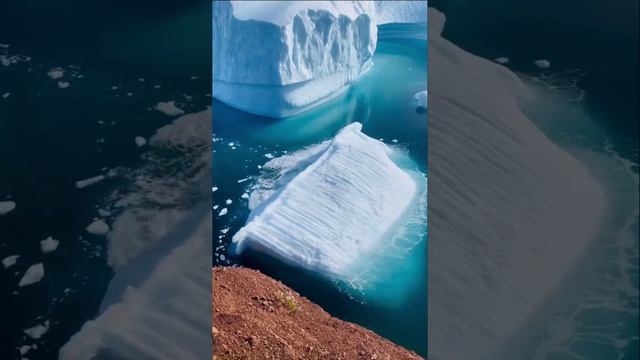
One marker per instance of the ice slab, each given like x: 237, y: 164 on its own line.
x: 168, y: 108
x: 344, y: 198
x: 6, y: 207
x: 542, y: 64
x: 421, y: 98
x: 37, y: 331
x: 9, y: 261
x: 33, y: 274
x: 49, y: 244
x: 80, y: 184
x: 98, y: 227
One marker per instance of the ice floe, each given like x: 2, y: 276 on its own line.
x: 33, y: 275
x: 542, y: 64
x: 421, y: 98
x: 168, y: 108
x: 341, y: 203
x: 37, y: 331
x: 98, y: 227
x: 9, y: 261
x: 7, y: 207
x: 49, y: 244
x: 56, y: 73
x: 140, y: 141
x: 80, y: 184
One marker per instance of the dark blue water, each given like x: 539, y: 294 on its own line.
x: 382, y: 101
x: 51, y: 137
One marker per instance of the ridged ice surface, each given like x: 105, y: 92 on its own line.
x: 511, y: 212
x: 342, y: 201
x: 395, y: 12
x: 277, y: 58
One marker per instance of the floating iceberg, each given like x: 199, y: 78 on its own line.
x: 421, y: 98
x: 6, y: 207
x: 98, y: 227
x: 512, y: 214
x: 9, y: 261
x: 340, y: 204
x: 279, y: 58
x: 49, y: 244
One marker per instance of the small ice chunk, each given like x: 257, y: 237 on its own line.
x: 104, y: 213
x: 56, y: 73
x: 224, y: 231
x: 140, y: 141
x: 24, y: 349
x: 6, y: 207
x: 49, y: 244
x: 6, y: 95
x: 9, y: 261
x: 98, y: 227
x: 542, y: 64
x: 169, y: 108
x: 215, y: 207
x: 242, y: 180
x: 421, y: 98
x: 37, y: 331
x: 231, y: 144
x: 33, y: 274
x: 228, y: 201
x: 223, y: 212
x: 501, y: 60
x: 223, y: 258
x: 269, y: 156
x: 214, y: 188
x: 394, y: 140
x: 88, y: 182
x: 245, y: 196
x: 63, y: 84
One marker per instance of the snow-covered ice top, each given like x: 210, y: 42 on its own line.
x: 342, y: 204
x: 401, y: 11
x: 278, y: 58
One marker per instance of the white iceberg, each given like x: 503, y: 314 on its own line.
x: 279, y: 58
x: 513, y: 212
x: 33, y: 274
x: 6, y: 207
x: 344, y: 200
x: 49, y: 244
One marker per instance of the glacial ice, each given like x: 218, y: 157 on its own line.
x: 506, y: 224
x: 279, y: 58
x: 345, y: 198
x: 6, y: 207
x: 393, y: 11
x: 33, y: 274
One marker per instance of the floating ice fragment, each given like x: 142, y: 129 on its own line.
x: 37, y: 331
x: 214, y: 188
x: 394, y: 140
x: 9, y: 261
x: 421, y: 98
x: 228, y: 201
x: 56, y: 73
x: 33, y: 274
x: 63, y: 84
x: 24, y: 349
x: 223, y: 212
x: 98, y: 227
x: 49, y: 244
x: 245, y: 196
x: 6, y: 95
x: 224, y: 231
x: 88, y: 182
x: 501, y: 60
x: 242, y: 180
x: 104, y: 213
x: 269, y: 156
x: 542, y: 64
x: 6, y: 207
x: 140, y: 141
x: 168, y: 108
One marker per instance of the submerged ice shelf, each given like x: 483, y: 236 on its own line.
x: 337, y: 203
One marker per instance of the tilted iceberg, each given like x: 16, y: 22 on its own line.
x: 279, y: 58
x: 340, y: 204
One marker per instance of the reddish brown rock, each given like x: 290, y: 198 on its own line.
x: 257, y: 317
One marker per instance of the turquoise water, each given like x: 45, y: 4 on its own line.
x: 382, y: 101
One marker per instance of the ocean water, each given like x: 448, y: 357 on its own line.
x: 382, y: 101
x: 587, y: 103
x: 119, y: 59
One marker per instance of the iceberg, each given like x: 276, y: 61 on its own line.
x: 421, y: 98
x: 279, y: 58
x: 49, y: 244
x: 401, y: 12
x: 33, y: 274
x: 343, y: 199
x: 6, y: 207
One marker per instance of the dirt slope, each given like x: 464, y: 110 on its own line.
x: 257, y: 317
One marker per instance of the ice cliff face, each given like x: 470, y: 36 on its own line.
x: 278, y: 58
x: 342, y: 200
